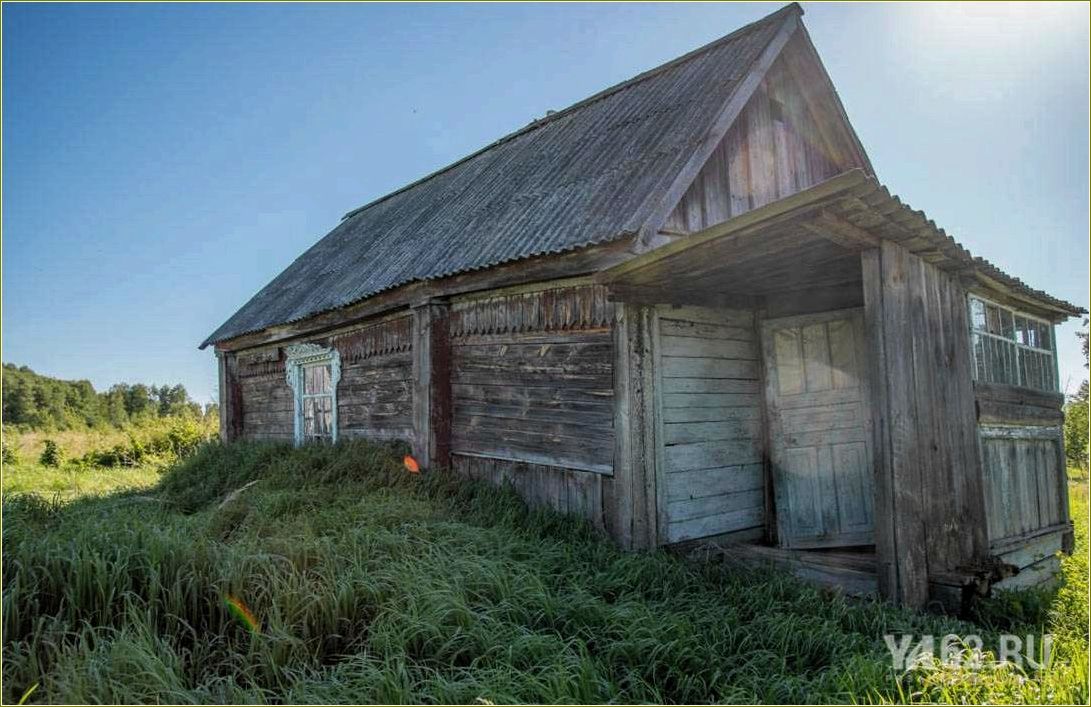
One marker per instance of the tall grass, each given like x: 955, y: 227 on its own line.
x: 373, y: 585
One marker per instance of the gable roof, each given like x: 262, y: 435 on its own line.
x: 585, y: 175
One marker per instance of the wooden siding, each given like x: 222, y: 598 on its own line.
x: 1025, y: 484
x: 785, y: 140
x: 1012, y: 405
x: 1036, y: 559
x: 1024, y: 479
x: 532, y: 378
x: 709, y: 429
x: 929, y: 514
x: 577, y: 493
x: 375, y: 395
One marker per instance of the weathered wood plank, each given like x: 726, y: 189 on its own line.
x: 701, y: 483
x: 692, y: 508
x: 681, y: 433
x: 710, y: 455
x: 675, y: 367
x: 713, y: 524
x: 696, y: 347
x: 677, y: 327
x: 709, y: 414
x: 716, y: 400
x: 710, y: 385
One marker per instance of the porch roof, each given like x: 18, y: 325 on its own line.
x: 812, y: 239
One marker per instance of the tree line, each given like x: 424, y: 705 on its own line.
x: 35, y: 401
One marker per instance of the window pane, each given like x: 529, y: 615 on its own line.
x: 977, y: 314
x: 316, y: 380
x: 308, y: 417
x: 1045, y: 336
x: 979, y: 358
x: 992, y: 316
x: 327, y: 415
x: 1021, y: 332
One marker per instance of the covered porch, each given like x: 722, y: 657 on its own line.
x: 853, y: 425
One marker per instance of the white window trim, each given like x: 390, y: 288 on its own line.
x: 299, y: 356
x: 1018, y: 347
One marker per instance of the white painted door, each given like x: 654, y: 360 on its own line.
x: 819, y: 424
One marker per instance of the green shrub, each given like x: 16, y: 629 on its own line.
x: 52, y: 454
x: 10, y: 452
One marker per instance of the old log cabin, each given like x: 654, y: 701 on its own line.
x: 686, y: 310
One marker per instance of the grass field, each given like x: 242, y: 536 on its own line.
x: 372, y: 585
x: 69, y: 482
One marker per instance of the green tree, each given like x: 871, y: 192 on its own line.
x: 1076, y: 417
x: 52, y: 455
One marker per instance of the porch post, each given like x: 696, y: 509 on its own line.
x: 899, y: 532
x: 929, y: 498
x: 229, y: 394
x: 632, y: 510
x: 432, y: 384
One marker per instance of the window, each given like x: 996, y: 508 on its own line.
x: 1011, y: 347
x: 313, y: 372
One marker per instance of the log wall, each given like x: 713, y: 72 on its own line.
x: 266, y: 408
x: 532, y: 393
x: 374, y: 396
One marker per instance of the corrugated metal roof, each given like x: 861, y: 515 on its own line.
x: 582, y: 176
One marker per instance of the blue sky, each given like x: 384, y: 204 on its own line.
x: 162, y: 162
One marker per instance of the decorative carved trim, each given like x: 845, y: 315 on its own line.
x: 262, y: 356
x: 262, y: 369
x: 570, y: 308
x: 379, y: 339
x: 298, y: 356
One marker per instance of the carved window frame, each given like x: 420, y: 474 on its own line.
x: 299, y: 357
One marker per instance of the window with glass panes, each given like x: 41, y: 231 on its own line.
x: 1011, y: 347
x: 313, y: 372
x: 316, y: 399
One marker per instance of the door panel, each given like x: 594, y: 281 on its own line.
x: 820, y: 437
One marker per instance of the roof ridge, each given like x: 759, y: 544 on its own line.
x: 791, y: 8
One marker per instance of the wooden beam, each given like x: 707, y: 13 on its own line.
x: 747, y: 223
x: 899, y: 539
x: 658, y: 295
x: 432, y: 384
x: 845, y: 234
x: 633, y: 513
x: 230, y: 397
x: 647, y: 237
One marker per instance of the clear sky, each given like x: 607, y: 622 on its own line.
x: 161, y: 163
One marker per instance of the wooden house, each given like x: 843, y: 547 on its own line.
x: 686, y: 310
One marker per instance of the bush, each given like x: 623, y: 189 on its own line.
x: 10, y: 453
x: 52, y: 455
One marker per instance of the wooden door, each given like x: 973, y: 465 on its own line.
x: 819, y: 429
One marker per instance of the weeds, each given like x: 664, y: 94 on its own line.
x: 369, y: 584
